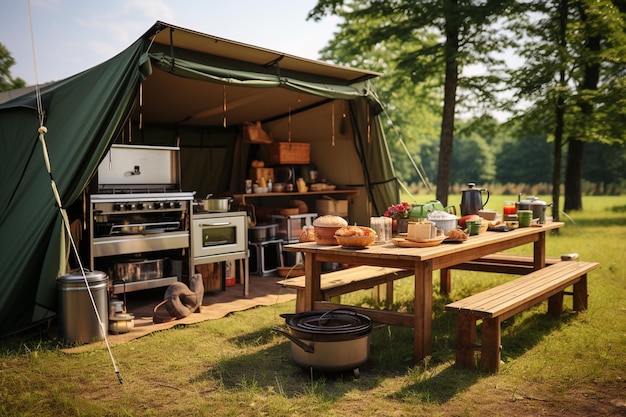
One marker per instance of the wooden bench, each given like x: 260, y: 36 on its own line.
x: 348, y: 280
x: 502, y: 263
x: 499, y: 303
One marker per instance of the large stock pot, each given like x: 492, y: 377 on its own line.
x: 331, y: 341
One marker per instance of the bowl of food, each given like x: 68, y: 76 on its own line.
x: 325, y: 228
x: 355, y: 236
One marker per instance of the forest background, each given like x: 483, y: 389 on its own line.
x: 496, y: 93
x: 515, y: 95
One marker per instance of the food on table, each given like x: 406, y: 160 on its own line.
x: 325, y: 228
x: 464, y: 219
x: 456, y: 234
x: 355, y: 236
x: 307, y: 235
x: 355, y: 231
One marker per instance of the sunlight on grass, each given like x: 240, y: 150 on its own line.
x: 238, y: 366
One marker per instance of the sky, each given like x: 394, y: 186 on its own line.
x: 70, y: 36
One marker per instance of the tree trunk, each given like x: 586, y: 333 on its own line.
x: 449, y: 103
x: 559, y: 117
x: 574, y: 168
x: 573, y: 175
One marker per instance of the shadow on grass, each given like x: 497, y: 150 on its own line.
x: 268, y: 366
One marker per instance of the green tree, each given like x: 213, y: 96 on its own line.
x: 436, y: 37
x: 411, y: 118
x: 7, y: 82
x: 573, y: 77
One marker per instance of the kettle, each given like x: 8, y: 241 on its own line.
x: 472, y: 199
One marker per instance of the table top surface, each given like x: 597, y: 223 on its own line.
x: 389, y: 250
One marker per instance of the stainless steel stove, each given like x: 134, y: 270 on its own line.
x: 139, y: 221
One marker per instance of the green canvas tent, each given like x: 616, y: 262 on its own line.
x: 178, y: 87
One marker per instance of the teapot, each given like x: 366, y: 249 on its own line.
x: 420, y: 211
x: 472, y: 199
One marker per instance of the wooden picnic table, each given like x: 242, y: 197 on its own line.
x: 421, y: 260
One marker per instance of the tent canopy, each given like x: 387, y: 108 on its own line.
x: 180, y: 86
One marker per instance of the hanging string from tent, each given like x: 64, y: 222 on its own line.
x: 140, y: 107
x: 42, y: 130
x: 224, y: 106
x: 332, y: 123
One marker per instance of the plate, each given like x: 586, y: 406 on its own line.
x: 454, y: 240
x: 500, y: 229
x: 435, y: 239
x: 417, y: 243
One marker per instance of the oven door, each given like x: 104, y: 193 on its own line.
x: 218, y: 234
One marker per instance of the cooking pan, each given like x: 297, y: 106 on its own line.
x: 215, y: 205
x: 331, y: 341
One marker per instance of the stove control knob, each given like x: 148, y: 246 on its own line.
x: 128, y: 206
x: 177, y: 204
x: 139, y: 206
x: 157, y: 205
x: 117, y: 207
x: 167, y: 204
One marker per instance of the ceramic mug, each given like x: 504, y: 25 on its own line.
x: 524, y: 217
x: 473, y: 227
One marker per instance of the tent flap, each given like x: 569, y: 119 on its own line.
x: 85, y: 113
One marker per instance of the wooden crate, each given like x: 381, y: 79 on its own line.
x: 289, y: 153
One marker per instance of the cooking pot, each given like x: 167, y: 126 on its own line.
x: 331, y: 341
x: 262, y: 232
x: 537, y: 206
x: 216, y: 205
x: 472, y: 199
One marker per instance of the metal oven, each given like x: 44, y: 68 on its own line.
x: 220, y: 237
x: 139, y: 220
x: 219, y: 233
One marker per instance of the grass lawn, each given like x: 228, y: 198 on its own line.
x: 237, y: 366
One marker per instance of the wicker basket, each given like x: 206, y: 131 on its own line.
x: 289, y: 153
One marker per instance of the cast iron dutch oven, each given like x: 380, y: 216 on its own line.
x: 328, y: 340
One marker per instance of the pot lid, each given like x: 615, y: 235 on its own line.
x: 77, y: 276
x: 339, y: 321
x: 472, y: 187
x: 532, y: 200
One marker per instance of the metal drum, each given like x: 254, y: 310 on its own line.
x: 77, y: 319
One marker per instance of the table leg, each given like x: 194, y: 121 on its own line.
x: 423, y: 310
x: 445, y: 281
x: 312, y: 272
x: 539, y: 251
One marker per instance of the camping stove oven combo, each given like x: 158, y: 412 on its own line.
x: 139, y: 219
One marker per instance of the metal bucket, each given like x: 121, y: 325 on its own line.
x: 75, y: 313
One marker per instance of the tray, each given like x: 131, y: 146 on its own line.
x: 417, y: 243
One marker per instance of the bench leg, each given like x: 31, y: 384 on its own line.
x: 300, y: 300
x: 555, y: 304
x: 465, y: 340
x: 580, y: 294
x: 445, y: 281
x: 490, y: 345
